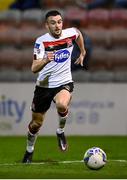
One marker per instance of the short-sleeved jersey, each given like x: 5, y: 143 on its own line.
x: 57, y: 72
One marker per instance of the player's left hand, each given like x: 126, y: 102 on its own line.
x: 80, y: 60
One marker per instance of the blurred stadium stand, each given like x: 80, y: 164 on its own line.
x: 106, y: 27
x: 75, y: 16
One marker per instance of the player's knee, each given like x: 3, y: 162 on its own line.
x: 63, y: 113
x: 61, y: 106
x: 35, y: 124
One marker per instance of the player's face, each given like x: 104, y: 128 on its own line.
x: 55, y: 24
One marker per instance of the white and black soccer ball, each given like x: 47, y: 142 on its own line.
x: 95, y: 158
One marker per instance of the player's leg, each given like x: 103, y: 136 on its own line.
x: 33, y: 129
x: 40, y: 104
x: 62, y: 100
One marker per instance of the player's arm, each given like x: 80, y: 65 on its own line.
x: 80, y: 43
x: 41, y: 58
x: 39, y: 63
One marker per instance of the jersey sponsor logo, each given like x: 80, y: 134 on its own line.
x: 61, y: 56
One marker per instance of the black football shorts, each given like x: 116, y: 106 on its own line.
x: 44, y: 96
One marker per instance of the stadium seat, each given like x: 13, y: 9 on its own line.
x: 119, y: 38
x: 118, y: 58
x: 10, y: 37
x: 64, y: 3
x: 10, y: 18
x: 31, y: 17
x: 75, y: 17
x: 49, y: 3
x: 104, y: 59
x: 99, y: 37
x: 27, y: 58
x: 118, y: 18
x: 99, y: 59
x: 18, y: 59
x: 98, y: 18
x: 29, y: 35
x: 10, y: 58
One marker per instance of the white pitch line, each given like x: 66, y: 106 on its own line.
x: 58, y: 162
x: 118, y: 160
x: 68, y: 162
x: 41, y: 163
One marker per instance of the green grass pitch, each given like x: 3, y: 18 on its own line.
x: 50, y: 163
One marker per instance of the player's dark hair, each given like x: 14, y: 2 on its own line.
x: 52, y: 13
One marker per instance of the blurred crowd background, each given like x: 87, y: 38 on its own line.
x: 102, y: 22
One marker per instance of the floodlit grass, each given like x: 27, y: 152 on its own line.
x: 48, y: 160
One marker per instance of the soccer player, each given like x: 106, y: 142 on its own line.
x: 52, y: 60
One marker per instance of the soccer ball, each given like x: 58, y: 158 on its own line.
x: 95, y: 158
